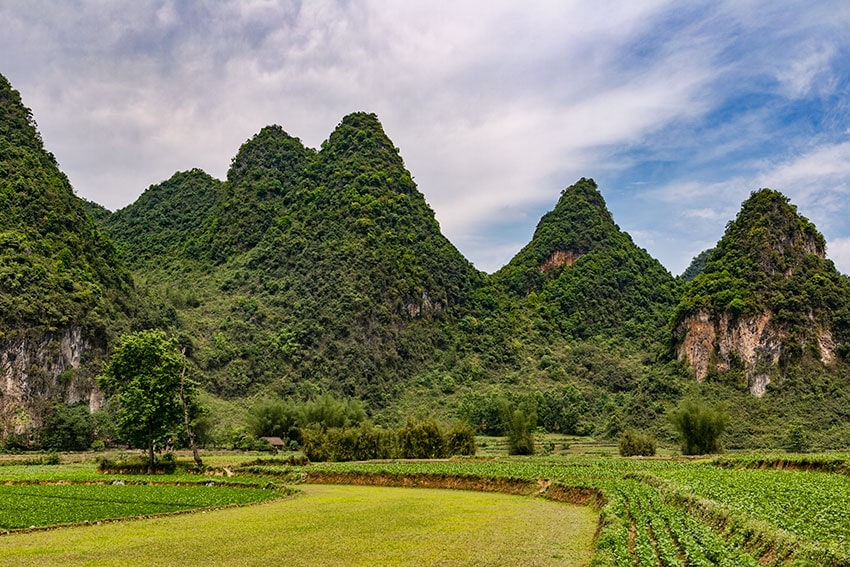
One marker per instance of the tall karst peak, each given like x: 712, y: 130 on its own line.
x: 359, y: 152
x: 579, y: 223
x: 771, y: 234
x: 61, y: 269
x: 766, y: 298
x: 264, y: 177
x: 17, y: 126
x: 327, y: 268
x: 590, y: 273
x: 162, y: 225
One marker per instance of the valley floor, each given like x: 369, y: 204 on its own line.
x: 332, y: 525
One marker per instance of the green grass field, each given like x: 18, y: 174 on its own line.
x: 332, y: 525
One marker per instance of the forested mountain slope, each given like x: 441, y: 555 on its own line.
x: 764, y: 329
x: 589, y: 275
x: 63, y: 290
x: 312, y: 271
x: 766, y: 298
x: 305, y: 270
x: 57, y: 268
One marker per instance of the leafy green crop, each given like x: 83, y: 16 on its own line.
x: 28, y: 505
x: 812, y: 505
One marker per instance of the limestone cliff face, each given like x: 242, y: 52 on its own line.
x: 754, y: 342
x: 33, y: 371
x: 559, y: 258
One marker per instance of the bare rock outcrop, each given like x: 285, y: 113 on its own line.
x: 34, y: 369
x: 755, y: 343
x: 559, y: 258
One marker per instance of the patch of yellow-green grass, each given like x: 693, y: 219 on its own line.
x: 332, y: 525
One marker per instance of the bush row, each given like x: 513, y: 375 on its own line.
x: 424, y: 439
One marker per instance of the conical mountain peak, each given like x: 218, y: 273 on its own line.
x: 162, y: 225
x: 766, y: 298
x: 17, y: 126
x: 64, y: 273
x: 589, y: 272
x: 579, y: 223
x: 357, y: 150
x: 769, y: 233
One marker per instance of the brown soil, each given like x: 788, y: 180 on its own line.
x: 580, y: 495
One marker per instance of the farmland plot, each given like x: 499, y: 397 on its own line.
x: 330, y: 526
x: 34, y: 505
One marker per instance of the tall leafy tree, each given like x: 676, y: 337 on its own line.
x: 144, y: 374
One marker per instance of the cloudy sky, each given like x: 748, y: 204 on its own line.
x: 677, y: 109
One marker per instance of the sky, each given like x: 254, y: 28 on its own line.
x: 678, y: 110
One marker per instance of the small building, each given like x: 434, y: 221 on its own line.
x: 276, y: 443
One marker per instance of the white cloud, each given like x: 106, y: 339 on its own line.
x: 825, y: 165
x: 801, y: 75
x: 838, y: 250
x: 706, y: 213
x: 816, y: 181
x: 495, y: 108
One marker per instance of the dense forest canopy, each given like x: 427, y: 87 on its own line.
x: 57, y: 269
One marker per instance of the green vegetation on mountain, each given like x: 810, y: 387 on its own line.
x: 56, y: 268
x: 772, y: 259
x: 304, y: 272
x: 781, y: 312
x: 588, y: 274
x: 697, y: 265
x: 311, y: 275
x: 262, y: 179
x: 163, y: 224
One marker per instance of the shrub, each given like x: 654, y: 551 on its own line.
x: 375, y: 443
x: 421, y: 440
x: 796, y: 440
x: 699, y: 427
x: 314, y: 444
x: 633, y: 443
x: 137, y: 465
x: 342, y: 444
x: 520, y: 438
x: 460, y: 440
x: 272, y: 418
x: 68, y: 428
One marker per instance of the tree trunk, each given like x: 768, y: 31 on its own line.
x: 191, y: 434
x: 150, y: 458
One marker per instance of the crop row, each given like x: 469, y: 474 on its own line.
x: 641, y: 529
x: 811, y: 505
x: 32, y: 505
x: 822, y: 462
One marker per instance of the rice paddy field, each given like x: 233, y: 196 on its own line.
x: 559, y: 509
